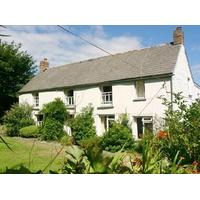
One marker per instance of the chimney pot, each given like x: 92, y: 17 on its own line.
x: 178, y: 36
x: 44, y: 65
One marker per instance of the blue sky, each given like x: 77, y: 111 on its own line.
x: 61, y: 48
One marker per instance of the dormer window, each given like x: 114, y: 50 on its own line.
x: 70, y: 97
x: 140, y: 89
x: 36, y: 100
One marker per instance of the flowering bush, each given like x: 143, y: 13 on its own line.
x: 183, y: 126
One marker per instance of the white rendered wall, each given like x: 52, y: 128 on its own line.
x: 182, y: 79
x: 124, y: 95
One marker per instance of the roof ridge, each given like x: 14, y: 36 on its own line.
x: 101, y: 57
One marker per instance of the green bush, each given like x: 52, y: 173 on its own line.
x: 66, y: 140
x: 118, y: 137
x: 18, y: 117
x: 82, y: 125
x: 55, y: 110
x: 29, y: 131
x: 51, y: 130
x: 182, y: 127
x: 91, y: 142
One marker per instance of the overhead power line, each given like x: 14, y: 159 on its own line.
x: 76, y: 35
x: 96, y: 46
x: 107, y: 52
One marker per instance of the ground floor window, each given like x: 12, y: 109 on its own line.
x: 144, y: 124
x: 39, y: 119
x: 107, y: 121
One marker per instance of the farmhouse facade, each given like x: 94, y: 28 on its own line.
x: 130, y: 82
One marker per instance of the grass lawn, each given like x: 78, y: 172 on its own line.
x: 32, y: 153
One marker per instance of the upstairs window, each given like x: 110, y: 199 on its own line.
x: 36, y: 100
x: 70, y: 97
x: 140, y: 89
x: 107, y: 95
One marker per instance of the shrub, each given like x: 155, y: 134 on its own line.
x: 91, y: 142
x: 29, y: 131
x: 118, y: 137
x: 83, y: 125
x: 182, y: 128
x: 66, y: 140
x: 55, y: 110
x: 18, y: 117
x: 51, y: 130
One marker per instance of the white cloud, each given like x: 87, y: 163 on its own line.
x: 61, y: 48
x: 196, y: 72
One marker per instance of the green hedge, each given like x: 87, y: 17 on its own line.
x: 29, y: 131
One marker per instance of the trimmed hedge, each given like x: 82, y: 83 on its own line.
x: 29, y: 131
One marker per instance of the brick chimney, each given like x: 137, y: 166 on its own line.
x: 178, y: 36
x: 44, y: 65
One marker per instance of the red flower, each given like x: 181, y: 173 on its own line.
x: 161, y: 134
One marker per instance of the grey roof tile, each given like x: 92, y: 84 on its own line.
x: 144, y: 62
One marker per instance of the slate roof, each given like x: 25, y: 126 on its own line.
x: 158, y: 60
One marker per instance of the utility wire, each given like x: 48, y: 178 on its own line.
x: 100, y: 48
x: 94, y: 45
x: 152, y: 99
x: 76, y: 35
x: 109, y: 53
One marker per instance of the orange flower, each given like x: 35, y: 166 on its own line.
x: 161, y: 134
x: 194, y: 172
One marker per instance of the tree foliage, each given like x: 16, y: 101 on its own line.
x: 16, y: 69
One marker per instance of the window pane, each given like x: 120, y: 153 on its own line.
x: 140, y: 90
x: 107, y: 88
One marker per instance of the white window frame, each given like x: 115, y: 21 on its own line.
x: 138, y: 84
x: 145, y: 120
x: 36, y: 100
x: 69, y: 99
x: 106, y: 97
x: 108, y: 119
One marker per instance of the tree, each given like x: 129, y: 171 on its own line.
x: 16, y: 69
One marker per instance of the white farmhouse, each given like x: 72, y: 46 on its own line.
x: 129, y: 82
